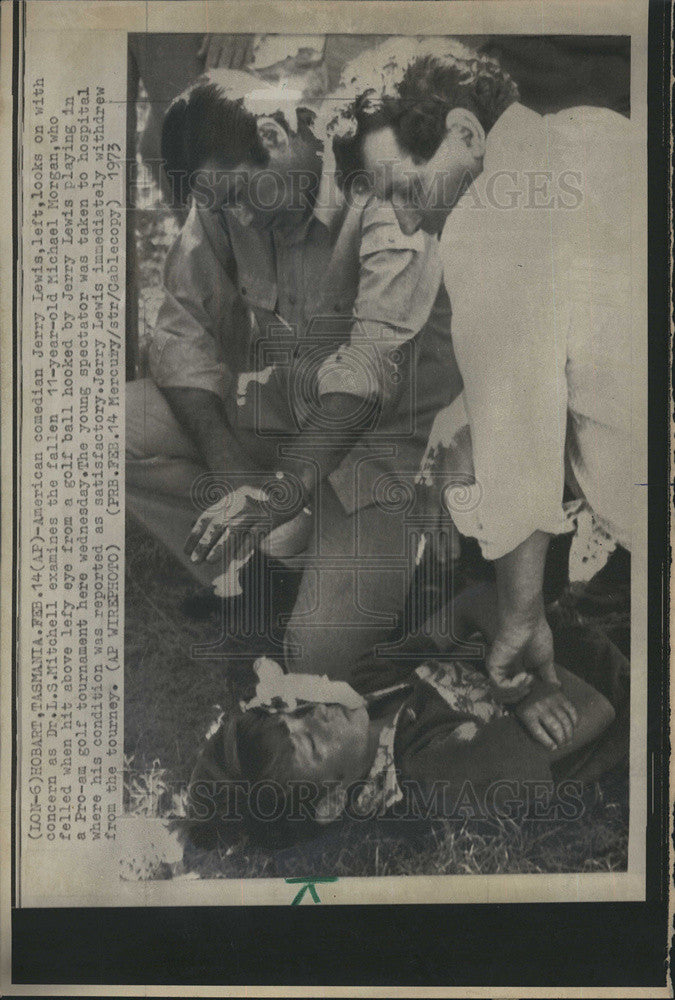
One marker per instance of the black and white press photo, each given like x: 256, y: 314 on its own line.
x: 335, y: 504
x: 378, y: 422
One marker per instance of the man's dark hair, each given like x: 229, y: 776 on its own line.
x: 430, y: 87
x: 202, y: 125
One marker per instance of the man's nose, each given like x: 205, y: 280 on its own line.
x: 409, y: 220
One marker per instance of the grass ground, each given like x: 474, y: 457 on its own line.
x: 171, y: 699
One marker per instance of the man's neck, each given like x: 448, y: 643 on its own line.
x: 290, y: 222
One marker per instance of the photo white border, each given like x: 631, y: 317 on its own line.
x: 432, y: 18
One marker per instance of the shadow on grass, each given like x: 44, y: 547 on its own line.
x: 597, y: 842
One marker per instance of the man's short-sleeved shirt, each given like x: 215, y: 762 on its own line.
x: 271, y: 320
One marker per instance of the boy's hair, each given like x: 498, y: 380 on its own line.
x: 430, y: 87
x: 264, y: 747
x: 204, y: 124
x: 254, y: 749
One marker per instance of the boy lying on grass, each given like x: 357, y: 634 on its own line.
x: 412, y: 733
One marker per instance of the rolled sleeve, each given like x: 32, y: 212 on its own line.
x: 399, y: 277
x: 185, y: 351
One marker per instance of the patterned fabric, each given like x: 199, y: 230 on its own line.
x: 381, y: 789
x: 465, y: 690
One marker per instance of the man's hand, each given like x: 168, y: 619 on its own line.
x: 521, y: 650
x: 549, y: 717
x: 215, y: 536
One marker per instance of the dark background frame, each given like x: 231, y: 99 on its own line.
x: 520, y: 945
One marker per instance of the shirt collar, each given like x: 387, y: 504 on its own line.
x: 330, y: 201
x: 381, y: 789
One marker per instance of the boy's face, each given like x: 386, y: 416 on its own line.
x: 330, y: 742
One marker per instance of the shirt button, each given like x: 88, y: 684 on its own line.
x: 292, y: 299
x: 243, y: 290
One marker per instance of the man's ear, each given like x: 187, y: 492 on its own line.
x: 465, y: 124
x: 331, y: 806
x: 273, y: 136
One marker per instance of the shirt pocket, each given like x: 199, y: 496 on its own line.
x: 257, y: 291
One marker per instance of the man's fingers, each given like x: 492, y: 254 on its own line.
x: 211, y: 526
x: 232, y: 545
x: 565, y: 721
x: 196, y: 533
x: 547, y: 672
x: 243, y: 542
x: 540, y: 734
x: 215, y: 553
x: 567, y: 714
x: 553, y: 727
x: 211, y: 534
x: 239, y: 543
x: 571, y: 711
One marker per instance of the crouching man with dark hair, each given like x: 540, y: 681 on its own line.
x: 300, y: 354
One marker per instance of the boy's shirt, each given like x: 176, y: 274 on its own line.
x: 447, y: 726
x: 444, y: 725
x: 381, y: 789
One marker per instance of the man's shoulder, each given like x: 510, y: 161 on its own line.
x: 587, y: 116
x: 599, y: 134
x: 380, y: 229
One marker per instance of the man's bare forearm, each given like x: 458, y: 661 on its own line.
x: 520, y: 576
x: 320, y: 459
x: 201, y: 416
